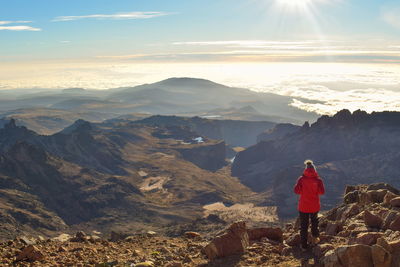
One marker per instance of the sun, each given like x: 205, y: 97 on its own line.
x: 294, y: 3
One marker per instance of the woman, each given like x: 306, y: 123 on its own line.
x: 309, y: 186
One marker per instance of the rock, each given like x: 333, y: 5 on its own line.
x: 30, y: 253
x: 320, y: 250
x: 372, y: 220
x: 173, y: 264
x: 349, y: 188
x: 388, y: 197
x: 331, y: 260
x: 62, y: 249
x: 79, y: 237
x: 352, y: 197
x: 355, y: 255
x: 275, y: 234
x: 377, y: 196
x: 286, y: 251
x: 368, y: 238
x: 395, y: 224
x: 332, y: 228
x: 365, y: 198
x: 192, y: 234
x: 395, y: 202
x: 384, y: 243
x: 27, y: 241
x: 234, y: 240
x: 389, y: 218
x: 62, y: 238
x: 386, y: 186
x: 117, y: 236
x: 380, y: 256
x: 293, y: 240
x: 144, y: 264
x: 151, y: 233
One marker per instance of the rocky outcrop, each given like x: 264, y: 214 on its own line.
x: 234, y: 240
x: 348, y: 147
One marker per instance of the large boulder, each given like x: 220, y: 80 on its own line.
x: 30, y: 253
x: 275, y: 234
x: 380, y: 256
x: 355, y: 255
x: 395, y: 224
x: 372, y: 220
x: 395, y: 202
x: 234, y: 240
x: 368, y: 238
x: 349, y: 256
x: 388, y: 197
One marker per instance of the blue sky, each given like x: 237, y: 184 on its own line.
x: 207, y: 30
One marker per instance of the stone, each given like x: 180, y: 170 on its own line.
x: 234, y: 240
x: 380, y: 256
x: 79, y: 237
x: 173, y: 264
x: 395, y: 224
x: 385, y: 186
x: 355, y: 255
x: 352, y: 197
x: 145, y: 264
x: 372, y: 220
x: 27, y: 241
x: 389, y: 218
x: 395, y: 202
x: 62, y: 238
x: 349, y: 188
x: 320, y: 250
x: 192, y: 234
x: 30, y: 253
x: 369, y: 238
x: 332, y: 228
x: 384, y: 243
x: 117, y: 236
x: 151, y: 233
x: 275, y: 234
x: 293, y: 240
x: 62, y: 249
x: 331, y: 260
x: 388, y: 197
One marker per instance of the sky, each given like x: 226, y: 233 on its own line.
x: 110, y: 43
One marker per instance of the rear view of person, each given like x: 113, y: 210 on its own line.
x: 309, y: 186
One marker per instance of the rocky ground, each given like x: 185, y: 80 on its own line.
x: 364, y: 231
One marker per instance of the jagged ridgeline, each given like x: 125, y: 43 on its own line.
x: 348, y: 148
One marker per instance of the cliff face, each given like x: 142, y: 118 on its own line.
x: 357, y: 148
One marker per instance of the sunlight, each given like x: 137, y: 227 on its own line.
x: 294, y: 3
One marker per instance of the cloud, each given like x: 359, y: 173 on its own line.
x: 19, y: 28
x: 2, y: 22
x: 128, y: 15
x: 391, y: 16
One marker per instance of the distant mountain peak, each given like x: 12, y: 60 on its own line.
x: 79, y: 125
x: 11, y: 124
x: 185, y: 81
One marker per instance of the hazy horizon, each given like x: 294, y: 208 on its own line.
x: 336, y: 54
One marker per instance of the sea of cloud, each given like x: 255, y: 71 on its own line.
x: 320, y: 87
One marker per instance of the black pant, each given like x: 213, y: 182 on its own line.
x: 304, y: 222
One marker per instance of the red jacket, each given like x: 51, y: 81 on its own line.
x: 309, y: 186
